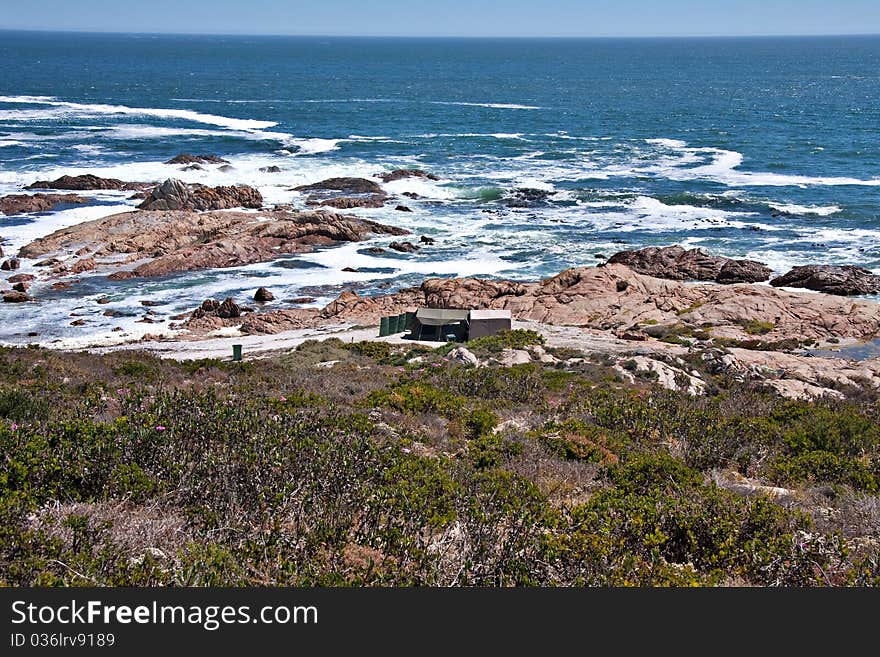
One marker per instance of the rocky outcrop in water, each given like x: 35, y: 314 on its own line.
x: 16, y: 296
x: 525, y: 197
x: 10, y: 264
x: 831, y: 279
x: 262, y: 295
x: 87, y: 182
x: 176, y: 195
x: 677, y: 264
x: 400, y: 174
x: 344, y: 193
x: 403, y: 247
x: 24, y: 203
x: 189, y: 158
x: 168, y: 242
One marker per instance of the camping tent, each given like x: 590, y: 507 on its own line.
x: 487, y: 322
x: 441, y: 324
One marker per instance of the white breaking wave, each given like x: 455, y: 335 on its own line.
x: 820, y: 210
x: 511, y: 106
x: 723, y: 168
x: 98, y: 109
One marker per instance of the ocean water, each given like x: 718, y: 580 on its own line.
x: 767, y: 148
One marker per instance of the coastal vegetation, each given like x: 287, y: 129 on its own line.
x: 372, y: 464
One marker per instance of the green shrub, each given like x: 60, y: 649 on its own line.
x: 515, y: 339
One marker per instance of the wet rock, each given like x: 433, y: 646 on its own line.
x: 61, y: 285
x: 21, y: 286
x: 16, y: 296
x: 103, y: 301
x: 10, y: 264
x: 743, y: 271
x: 78, y: 322
x: 272, y: 169
x: 350, y: 270
x: 21, y: 278
x: 189, y: 158
x: 48, y: 262
x: 228, y: 309
x: 403, y: 247
x: 375, y: 250
x: 348, y: 202
x: 399, y: 174
x: 150, y: 303
x: 677, y: 264
x: 343, y: 185
x: 412, y: 195
x: 262, y: 295
x: 226, y: 168
x: 303, y: 300
x: 176, y: 195
x: 524, y: 197
x: 426, y: 240
x: 844, y: 280
x: 24, y: 203
x: 343, y: 193
x: 121, y: 275
x: 167, y: 242
x: 87, y: 182
x: 83, y: 265
x: 402, y: 208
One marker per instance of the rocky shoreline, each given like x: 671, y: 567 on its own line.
x: 661, y: 301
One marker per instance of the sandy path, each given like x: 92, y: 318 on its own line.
x: 262, y: 346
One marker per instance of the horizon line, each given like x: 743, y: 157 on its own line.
x: 441, y: 36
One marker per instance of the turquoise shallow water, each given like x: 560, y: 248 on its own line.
x: 767, y: 148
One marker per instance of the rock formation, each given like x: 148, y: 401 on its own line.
x: 24, y: 203
x: 175, y: 241
x: 87, y: 181
x: 262, y: 295
x: 831, y: 279
x: 189, y: 158
x: 399, y: 174
x: 176, y: 195
x: 344, y: 193
x: 678, y: 264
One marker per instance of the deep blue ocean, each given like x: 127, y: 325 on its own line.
x: 766, y: 148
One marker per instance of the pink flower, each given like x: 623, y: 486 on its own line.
x: 13, y: 426
x: 159, y: 427
x: 282, y: 398
x: 123, y: 391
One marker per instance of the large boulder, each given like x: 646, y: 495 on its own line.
x: 24, y: 203
x: 399, y: 174
x: 10, y: 264
x: 678, y: 264
x: 743, y: 271
x: 844, y: 280
x: 189, y: 158
x: 16, y: 296
x: 403, y: 247
x: 344, y: 193
x: 262, y: 295
x: 85, y: 182
x: 526, y: 197
x: 228, y: 309
x: 167, y: 242
x: 176, y: 195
